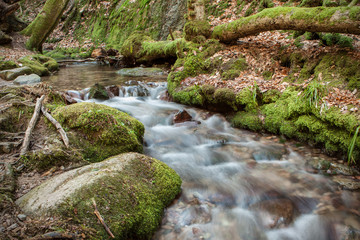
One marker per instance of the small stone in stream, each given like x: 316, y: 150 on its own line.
x: 21, y: 217
x: 347, y: 183
x: 98, y: 92
x: 113, y: 90
x: 99, y: 52
x: 182, y: 116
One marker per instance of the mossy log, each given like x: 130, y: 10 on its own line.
x: 44, y: 23
x: 318, y: 19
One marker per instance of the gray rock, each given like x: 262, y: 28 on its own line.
x: 22, y: 217
x: 129, y: 183
x: 140, y: 72
x: 27, y: 79
x: 11, y: 74
x: 347, y: 183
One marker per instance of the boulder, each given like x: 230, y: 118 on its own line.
x: 11, y: 74
x: 113, y: 91
x: 130, y: 190
x: 27, y: 79
x: 112, y: 52
x: 100, y: 131
x: 40, y: 64
x: 182, y: 116
x: 5, y: 65
x: 140, y: 72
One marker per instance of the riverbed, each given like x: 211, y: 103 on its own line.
x: 236, y: 184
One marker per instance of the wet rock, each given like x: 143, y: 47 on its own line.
x: 319, y: 163
x: 343, y: 169
x: 98, y: 92
x: 182, y: 116
x: 11, y: 74
x: 347, y: 183
x: 140, y: 72
x: 22, y: 217
x: 113, y: 91
x: 134, y: 186
x: 277, y: 212
x: 99, y: 52
x: 269, y: 153
x: 27, y: 79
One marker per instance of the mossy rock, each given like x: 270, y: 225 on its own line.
x: 40, y: 64
x: 102, y: 131
x: 5, y: 65
x: 98, y: 92
x: 247, y: 120
x: 233, y: 68
x: 130, y: 191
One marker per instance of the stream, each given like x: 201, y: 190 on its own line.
x: 237, y: 184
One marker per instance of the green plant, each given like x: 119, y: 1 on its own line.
x: 352, y: 146
x: 314, y: 93
x: 254, y: 92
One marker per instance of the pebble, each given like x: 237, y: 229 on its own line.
x: 21, y: 217
x: 2, y: 229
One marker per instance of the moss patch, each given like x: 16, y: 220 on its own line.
x: 103, y: 131
x: 5, y: 65
x: 40, y: 64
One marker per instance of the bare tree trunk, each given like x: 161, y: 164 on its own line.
x: 44, y: 23
x: 318, y: 19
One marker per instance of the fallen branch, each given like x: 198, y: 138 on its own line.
x: 31, y: 125
x: 98, y: 215
x: 57, y: 125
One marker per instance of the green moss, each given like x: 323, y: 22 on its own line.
x: 330, y: 39
x: 233, y: 68
x: 245, y: 98
x: 225, y: 97
x: 131, y: 201
x: 218, y: 9
x: 5, y: 65
x: 40, y: 64
x: 271, y: 96
x: 105, y: 130
x: 247, y: 120
x: 196, y: 28
x: 189, y: 96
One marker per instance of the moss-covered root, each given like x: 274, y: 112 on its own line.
x: 318, y: 19
x: 102, y: 131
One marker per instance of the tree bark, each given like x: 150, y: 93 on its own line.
x: 353, y: 3
x: 44, y: 23
x: 318, y: 19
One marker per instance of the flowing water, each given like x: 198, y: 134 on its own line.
x: 237, y: 184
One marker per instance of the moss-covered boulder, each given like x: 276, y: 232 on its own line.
x: 130, y: 190
x: 101, y: 131
x: 11, y: 74
x: 98, y: 92
x: 5, y: 65
x: 40, y: 64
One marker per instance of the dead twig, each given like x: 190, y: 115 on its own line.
x: 98, y: 215
x: 31, y: 125
x: 57, y: 125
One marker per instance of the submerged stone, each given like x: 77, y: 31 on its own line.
x: 130, y: 190
x: 140, y: 72
x: 98, y: 92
